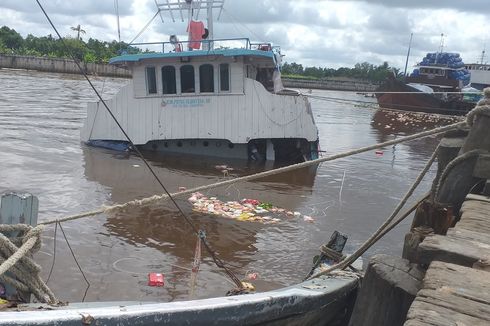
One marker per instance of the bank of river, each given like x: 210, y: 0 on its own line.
x: 40, y: 118
x: 62, y: 65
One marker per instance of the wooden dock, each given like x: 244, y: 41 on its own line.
x: 456, y: 286
x: 452, y: 295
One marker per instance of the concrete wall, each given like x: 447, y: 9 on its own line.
x: 331, y: 84
x: 60, y: 65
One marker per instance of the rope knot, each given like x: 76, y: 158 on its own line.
x: 34, y: 232
x: 481, y: 108
x: 15, y: 257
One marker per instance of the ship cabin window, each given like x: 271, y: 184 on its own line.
x: 187, y: 81
x: 224, y: 77
x: 151, y: 80
x: 206, y: 78
x: 168, y: 80
x: 264, y: 76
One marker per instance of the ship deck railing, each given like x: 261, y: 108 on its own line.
x: 222, y: 43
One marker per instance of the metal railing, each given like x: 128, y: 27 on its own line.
x: 216, y: 44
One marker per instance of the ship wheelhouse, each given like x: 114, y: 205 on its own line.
x: 219, y: 102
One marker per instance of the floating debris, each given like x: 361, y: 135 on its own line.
x: 252, y: 276
x: 308, y: 219
x: 155, y: 279
x: 250, y: 210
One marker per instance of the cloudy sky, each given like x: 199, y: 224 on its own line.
x: 330, y: 33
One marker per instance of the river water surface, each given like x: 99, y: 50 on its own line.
x: 41, y: 153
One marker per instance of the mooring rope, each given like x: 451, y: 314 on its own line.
x: 25, y: 272
x: 375, y: 236
x: 155, y: 198
x: 482, y: 108
x: 473, y: 154
x: 371, y: 104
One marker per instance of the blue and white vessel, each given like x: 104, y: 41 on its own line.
x: 221, y: 98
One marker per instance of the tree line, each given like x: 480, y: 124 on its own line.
x: 363, y: 70
x: 97, y: 51
x: 92, y: 50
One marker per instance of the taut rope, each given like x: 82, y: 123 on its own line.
x: 152, y: 199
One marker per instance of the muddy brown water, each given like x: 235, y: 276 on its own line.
x: 41, y: 153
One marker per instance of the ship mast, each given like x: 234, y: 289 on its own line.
x: 482, y: 59
x: 408, y: 54
x: 441, y: 47
x: 193, y: 8
x: 116, y: 7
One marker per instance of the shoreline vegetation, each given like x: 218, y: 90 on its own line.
x: 99, y: 52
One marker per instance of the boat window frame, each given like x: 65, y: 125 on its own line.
x: 174, y: 79
x: 182, y: 79
x: 221, y: 90
x: 147, y: 80
x: 211, y: 78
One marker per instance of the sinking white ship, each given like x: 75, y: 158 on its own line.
x: 208, y: 96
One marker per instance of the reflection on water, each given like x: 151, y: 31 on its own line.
x: 40, y: 117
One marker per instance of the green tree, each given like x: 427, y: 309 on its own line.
x: 79, y: 30
x: 94, y: 50
x: 10, y: 38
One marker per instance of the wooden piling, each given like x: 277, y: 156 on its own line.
x: 387, y: 291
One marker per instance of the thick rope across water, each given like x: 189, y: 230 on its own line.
x: 155, y: 198
x: 375, y: 236
x: 18, y: 262
x: 482, y: 108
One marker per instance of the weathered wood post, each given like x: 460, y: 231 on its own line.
x: 387, y: 291
x: 18, y: 208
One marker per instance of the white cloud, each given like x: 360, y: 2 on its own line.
x: 322, y: 33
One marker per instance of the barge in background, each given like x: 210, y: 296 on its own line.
x: 434, y: 87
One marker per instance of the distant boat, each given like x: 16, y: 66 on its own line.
x: 480, y: 75
x: 435, y: 86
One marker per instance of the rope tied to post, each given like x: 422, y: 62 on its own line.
x: 15, y: 257
x: 481, y: 108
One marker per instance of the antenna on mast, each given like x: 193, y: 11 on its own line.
x: 116, y: 7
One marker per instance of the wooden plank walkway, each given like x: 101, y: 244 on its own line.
x: 454, y: 293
